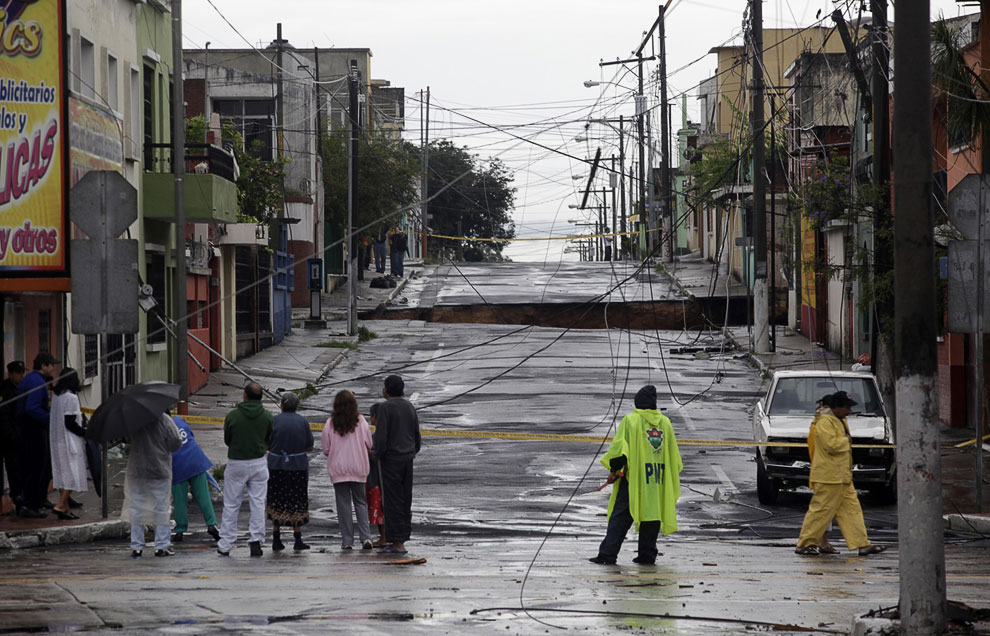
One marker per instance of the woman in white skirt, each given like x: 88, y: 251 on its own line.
x: 67, y: 430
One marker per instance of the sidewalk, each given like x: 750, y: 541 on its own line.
x: 795, y: 351
x: 291, y: 364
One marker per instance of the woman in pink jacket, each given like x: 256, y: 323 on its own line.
x: 346, y: 442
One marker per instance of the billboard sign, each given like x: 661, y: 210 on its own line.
x: 33, y: 146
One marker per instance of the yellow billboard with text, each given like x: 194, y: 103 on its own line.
x: 33, y: 224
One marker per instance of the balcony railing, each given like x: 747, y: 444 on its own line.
x: 200, y: 158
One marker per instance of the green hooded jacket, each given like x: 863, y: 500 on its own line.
x: 653, y: 467
x: 247, y: 431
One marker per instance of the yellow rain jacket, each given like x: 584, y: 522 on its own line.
x: 831, y: 450
x: 653, y: 467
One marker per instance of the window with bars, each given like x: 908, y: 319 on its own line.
x: 91, y: 356
x: 254, y: 119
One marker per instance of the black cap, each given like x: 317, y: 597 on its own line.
x: 841, y: 398
x: 17, y: 366
x: 394, y: 386
x: 646, y: 398
x: 45, y: 358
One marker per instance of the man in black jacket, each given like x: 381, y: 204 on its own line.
x: 400, y: 247
x: 396, y: 442
x: 8, y: 415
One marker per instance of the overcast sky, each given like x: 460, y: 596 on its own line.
x: 515, y: 66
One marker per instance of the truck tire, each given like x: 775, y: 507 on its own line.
x: 767, y: 490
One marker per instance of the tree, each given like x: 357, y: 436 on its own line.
x: 477, y: 203
x: 388, y: 171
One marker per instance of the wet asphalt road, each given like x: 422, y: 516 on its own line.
x: 504, y: 524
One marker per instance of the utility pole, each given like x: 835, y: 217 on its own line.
x: 665, y: 172
x: 206, y: 93
x: 318, y: 216
x: 353, y: 85
x: 613, y: 181
x: 645, y: 212
x: 179, y: 302
x: 881, y: 352
x: 761, y: 331
x: 772, y: 273
x: 622, y: 189
x: 919, y: 472
x: 424, y: 190
x: 279, y: 101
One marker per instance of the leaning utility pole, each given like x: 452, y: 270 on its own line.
x: 179, y: 301
x: 761, y: 305
x: 665, y: 172
x: 352, y: 204
x: 919, y: 472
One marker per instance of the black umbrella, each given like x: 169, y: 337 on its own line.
x: 131, y: 409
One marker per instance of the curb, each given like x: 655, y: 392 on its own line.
x: 873, y: 627
x: 82, y: 533
x: 976, y: 524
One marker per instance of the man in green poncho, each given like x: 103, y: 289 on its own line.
x: 645, y: 466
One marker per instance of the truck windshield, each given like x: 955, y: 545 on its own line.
x: 799, y: 396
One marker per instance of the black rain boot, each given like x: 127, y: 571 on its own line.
x: 299, y: 542
x: 277, y: 541
x: 256, y: 550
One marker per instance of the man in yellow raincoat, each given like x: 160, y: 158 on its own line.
x: 645, y: 466
x: 831, y: 479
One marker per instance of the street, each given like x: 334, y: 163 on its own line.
x: 505, y: 513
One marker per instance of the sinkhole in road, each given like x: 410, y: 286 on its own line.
x: 691, y: 314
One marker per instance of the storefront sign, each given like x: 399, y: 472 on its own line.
x: 33, y: 143
x: 94, y: 140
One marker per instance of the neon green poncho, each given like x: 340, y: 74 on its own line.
x: 653, y: 467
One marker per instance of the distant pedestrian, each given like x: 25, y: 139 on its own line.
x: 346, y: 441
x: 399, y: 249
x: 645, y: 465
x: 33, y: 424
x: 608, y: 244
x: 396, y: 443
x: 372, y: 488
x: 148, y: 485
x: 381, y: 248
x: 8, y: 432
x: 190, y: 466
x: 247, y: 431
x: 67, y: 437
x: 831, y: 479
x: 288, y: 470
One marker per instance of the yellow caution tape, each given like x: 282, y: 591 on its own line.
x: 542, y: 238
x: 971, y: 442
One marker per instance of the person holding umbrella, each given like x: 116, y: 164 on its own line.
x: 138, y: 414
x: 148, y: 486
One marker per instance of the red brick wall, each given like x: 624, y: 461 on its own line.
x: 952, y: 380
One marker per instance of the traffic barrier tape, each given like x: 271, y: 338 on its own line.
x: 539, y: 238
x: 542, y: 437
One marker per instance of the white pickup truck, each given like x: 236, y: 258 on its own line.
x: 785, y: 413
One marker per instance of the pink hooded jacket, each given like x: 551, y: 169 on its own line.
x: 347, y: 456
